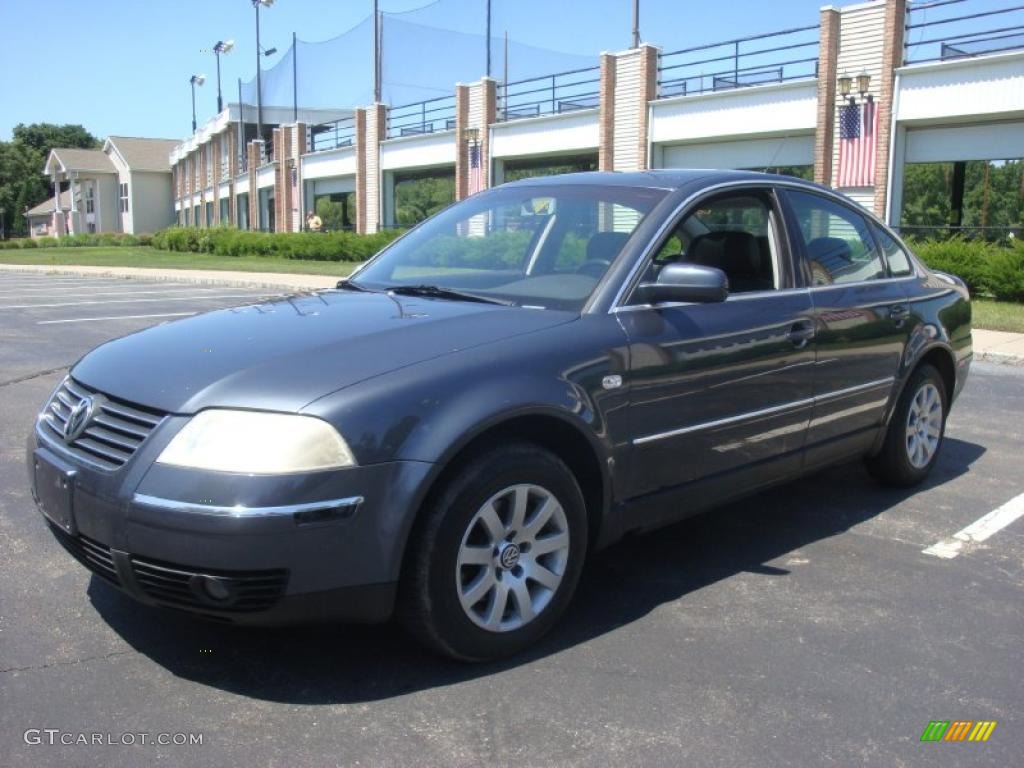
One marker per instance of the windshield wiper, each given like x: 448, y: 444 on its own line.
x: 437, y: 292
x: 348, y: 285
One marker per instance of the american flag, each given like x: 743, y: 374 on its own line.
x: 475, y: 178
x: 858, y: 128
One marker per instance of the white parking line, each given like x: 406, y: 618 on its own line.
x: 128, y: 292
x: 116, y: 317
x: 137, y: 301
x: 979, y: 530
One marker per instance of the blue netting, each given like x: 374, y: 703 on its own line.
x: 421, y: 59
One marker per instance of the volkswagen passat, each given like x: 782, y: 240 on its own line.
x: 518, y: 381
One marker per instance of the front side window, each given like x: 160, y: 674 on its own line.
x: 541, y: 246
x: 734, y: 233
x: 837, y: 242
x: 123, y: 194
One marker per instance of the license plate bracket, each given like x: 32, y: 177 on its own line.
x: 55, y: 490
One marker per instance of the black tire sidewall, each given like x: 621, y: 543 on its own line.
x: 479, y: 481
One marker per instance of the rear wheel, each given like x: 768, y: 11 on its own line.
x: 496, y: 558
x: 915, y: 431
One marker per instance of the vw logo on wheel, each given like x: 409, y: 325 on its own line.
x: 509, y: 556
x: 78, y: 418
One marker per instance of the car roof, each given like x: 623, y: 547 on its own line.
x: 667, y: 179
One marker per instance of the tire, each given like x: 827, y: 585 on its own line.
x: 907, y: 456
x: 462, y: 560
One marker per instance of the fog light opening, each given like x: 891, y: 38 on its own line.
x: 214, y: 589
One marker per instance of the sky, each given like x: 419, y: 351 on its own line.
x: 122, y: 67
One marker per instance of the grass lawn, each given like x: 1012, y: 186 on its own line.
x: 150, y: 257
x: 997, y: 315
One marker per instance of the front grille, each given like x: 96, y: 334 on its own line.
x: 93, y: 555
x: 180, y: 586
x: 113, y: 433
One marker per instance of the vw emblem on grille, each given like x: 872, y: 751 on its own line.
x: 78, y: 418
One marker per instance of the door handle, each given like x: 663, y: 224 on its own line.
x: 899, y: 313
x: 801, y: 332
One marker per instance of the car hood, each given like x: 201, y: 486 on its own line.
x: 283, y: 354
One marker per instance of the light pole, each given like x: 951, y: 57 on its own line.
x: 222, y: 46
x: 3, y: 231
x: 259, y: 84
x: 195, y: 80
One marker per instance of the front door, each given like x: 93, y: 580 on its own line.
x: 861, y: 318
x: 721, y: 392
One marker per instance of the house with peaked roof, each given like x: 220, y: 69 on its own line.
x: 123, y: 187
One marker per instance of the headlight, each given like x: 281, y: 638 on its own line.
x: 257, y: 443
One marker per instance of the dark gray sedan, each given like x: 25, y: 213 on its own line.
x: 523, y: 378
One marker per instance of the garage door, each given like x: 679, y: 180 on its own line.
x: 996, y: 141
x: 750, y: 153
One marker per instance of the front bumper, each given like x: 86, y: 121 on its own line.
x: 240, y: 548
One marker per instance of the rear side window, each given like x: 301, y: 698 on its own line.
x: 899, y: 262
x: 837, y: 242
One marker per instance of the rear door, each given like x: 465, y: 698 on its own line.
x: 861, y: 322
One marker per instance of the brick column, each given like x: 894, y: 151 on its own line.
x: 476, y: 107
x: 862, y: 48
x: 828, y: 52
x: 892, y: 57
x: 606, y: 116
x: 461, y: 151
x: 633, y: 84
x: 360, y: 142
x: 216, y: 181
x: 254, y: 150
x: 202, y: 185
x: 232, y: 173
x: 281, y: 187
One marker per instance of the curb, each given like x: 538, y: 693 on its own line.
x: 263, y: 281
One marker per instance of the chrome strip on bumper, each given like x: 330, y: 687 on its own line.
x: 306, y: 512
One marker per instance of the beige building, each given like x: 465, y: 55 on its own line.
x: 123, y: 187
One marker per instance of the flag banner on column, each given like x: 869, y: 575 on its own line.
x: 475, y: 178
x: 858, y: 130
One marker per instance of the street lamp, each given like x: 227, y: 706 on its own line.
x: 222, y: 46
x: 3, y: 231
x: 195, y: 80
x: 259, y: 84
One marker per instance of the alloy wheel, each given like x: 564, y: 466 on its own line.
x: 512, y: 557
x: 924, y: 425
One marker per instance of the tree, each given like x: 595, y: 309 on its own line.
x: 22, y: 184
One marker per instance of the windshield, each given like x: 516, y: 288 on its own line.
x: 539, y: 246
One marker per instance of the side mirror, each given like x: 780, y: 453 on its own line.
x: 685, y: 283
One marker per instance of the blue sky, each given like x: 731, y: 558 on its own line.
x: 123, y: 66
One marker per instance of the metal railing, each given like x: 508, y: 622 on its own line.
x: 552, y: 94
x: 941, y: 30
x: 225, y: 168
x: 339, y: 133
x: 243, y: 162
x: 776, y: 57
x: 430, y: 116
x: 965, y: 231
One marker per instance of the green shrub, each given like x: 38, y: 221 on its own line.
x: 47, y: 242
x: 315, y: 246
x: 27, y: 242
x: 967, y: 259
x: 1006, y: 273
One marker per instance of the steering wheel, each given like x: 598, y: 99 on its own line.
x: 594, y: 268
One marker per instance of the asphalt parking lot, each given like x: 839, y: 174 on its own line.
x: 804, y: 626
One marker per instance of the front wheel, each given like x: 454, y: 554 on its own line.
x: 497, y: 555
x: 915, y: 431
